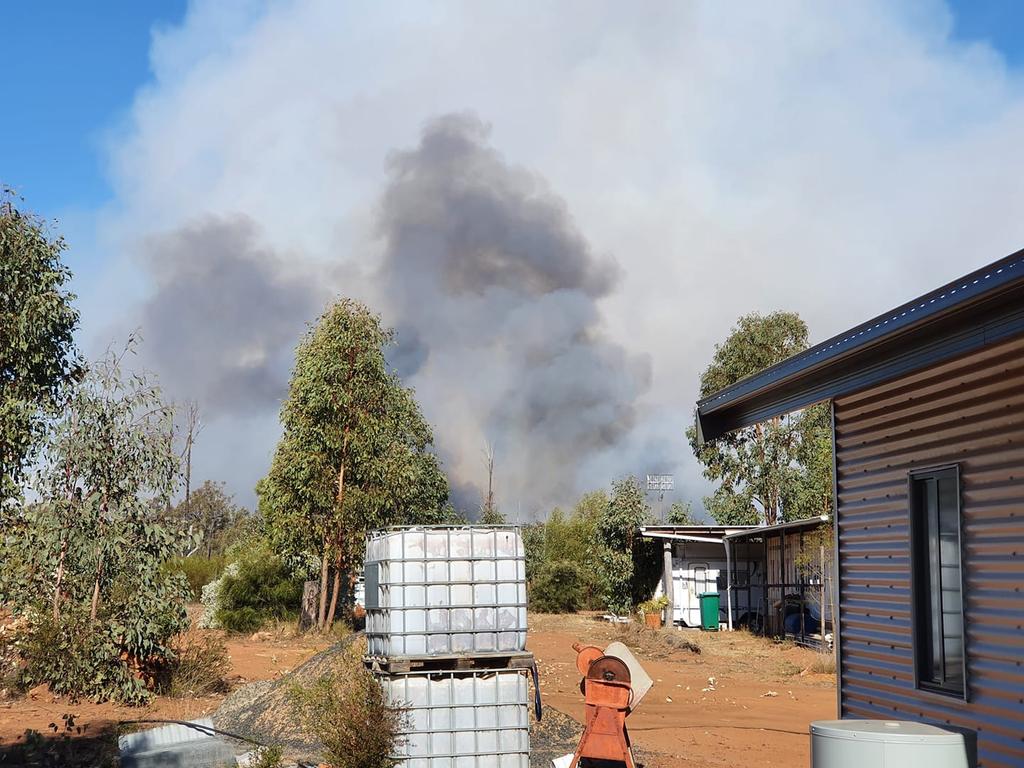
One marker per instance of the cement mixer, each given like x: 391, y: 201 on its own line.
x: 613, y: 686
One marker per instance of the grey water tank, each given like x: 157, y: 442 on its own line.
x: 887, y: 744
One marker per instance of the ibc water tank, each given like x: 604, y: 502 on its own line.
x: 886, y: 744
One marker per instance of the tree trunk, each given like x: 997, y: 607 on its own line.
x: 60, y: 579
x: 324, y: 560
x: 337, y: 589
x: 341, y: 511
x: 96, y: 591
x: 308, y: 611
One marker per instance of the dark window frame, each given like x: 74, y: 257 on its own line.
x: 920, y: 593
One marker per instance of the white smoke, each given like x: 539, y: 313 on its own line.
x: 834, y: 159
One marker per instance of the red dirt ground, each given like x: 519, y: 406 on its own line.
x: 735, y: 724
x: 264, y: 656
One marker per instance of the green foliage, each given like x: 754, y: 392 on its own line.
x: 266, y: 757
x: 629, y: 565
x: 773, y: 471
x: 79, y: 657
x: 562, y: 570
x: 355, y: 453
x: 85, y: 564
x: 654, y: 605
x: 533, y: 545
x: 37, y: 356
x: 198, y: 570
x: 261, y: 589
x: 680, y: 513
x: 556, y: 588
x: 348, y: 713
x: 491, y: 515
x: 210, y: 514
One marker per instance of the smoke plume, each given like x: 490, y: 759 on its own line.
x: 225, y: 316
x: 495, y: 294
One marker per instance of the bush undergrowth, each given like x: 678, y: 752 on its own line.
x: 348, y: 712
x: 199, y: 570
x: 260, y: 589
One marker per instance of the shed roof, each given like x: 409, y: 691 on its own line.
x: 806, y: 524
x: 978, y: 309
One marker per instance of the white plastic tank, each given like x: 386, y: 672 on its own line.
x: 462, y: 719
x: 887, y: 744
x: 438, y: 591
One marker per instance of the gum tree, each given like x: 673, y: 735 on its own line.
x: 354, y: 453
x: 37, y: 354
x: 776, y: 470
x: 84, y: 564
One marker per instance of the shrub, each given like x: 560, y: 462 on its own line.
x: 199, y: 570
x: 260, y: 590
x: 654, y: 605
x: 211, y: 598
x: 199, y: 666
x: 78, y: 657
x: 348, y: 712
x: 265, y: 757
x: 556, y: 588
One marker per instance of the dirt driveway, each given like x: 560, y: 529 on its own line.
x: 736, y: 721
x: 733, y: 723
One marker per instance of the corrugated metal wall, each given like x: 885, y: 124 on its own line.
x: 969, y: 412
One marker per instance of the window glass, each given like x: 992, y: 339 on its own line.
x: 938, y: 598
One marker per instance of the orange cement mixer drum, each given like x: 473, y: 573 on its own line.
x: 585, y: 656
x: 610, y: 670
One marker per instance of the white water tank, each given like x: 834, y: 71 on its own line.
x: 887, y: 744
x: 462, y: 719
x: 438, y: 591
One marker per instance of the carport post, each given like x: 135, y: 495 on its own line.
x: 667, y: 579
x: 728, y: 581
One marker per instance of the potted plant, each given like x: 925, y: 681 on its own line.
x: 652, y: 610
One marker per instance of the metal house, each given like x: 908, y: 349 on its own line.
x: 928, y: 427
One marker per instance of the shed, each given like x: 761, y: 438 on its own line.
x: 755, y: 568
x: 927, y: 406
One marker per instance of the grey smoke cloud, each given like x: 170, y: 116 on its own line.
x: 494, y: 293
x: 498, y: 293
x: 224, y: 316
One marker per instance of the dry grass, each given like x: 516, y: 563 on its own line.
x: 200, y: 666
x: 824, y: 664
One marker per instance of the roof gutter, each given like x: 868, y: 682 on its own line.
x: 980, y: 308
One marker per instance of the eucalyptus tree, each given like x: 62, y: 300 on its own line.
x: 37, y: 354
x: 625, y: 558
x: 354, y: 453
x: 88, y: 556
x: 771, y: 471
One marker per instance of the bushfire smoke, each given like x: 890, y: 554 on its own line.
x: 495, y: 296
x: 492, y: 289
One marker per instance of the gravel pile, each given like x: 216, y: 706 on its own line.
x: 262, y: 711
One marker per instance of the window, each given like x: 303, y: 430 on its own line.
x: 937, y: 580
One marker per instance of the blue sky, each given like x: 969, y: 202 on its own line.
x: 79, y: 65
x: 71, y: 72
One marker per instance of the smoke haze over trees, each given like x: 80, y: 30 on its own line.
x: 495, y: 297
x: 695, y: 146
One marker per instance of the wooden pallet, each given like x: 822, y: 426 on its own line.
x: 501, y: 660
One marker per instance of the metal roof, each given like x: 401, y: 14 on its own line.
x: 806, y: 523
x: 706, y: 533
x: 984, y: 306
